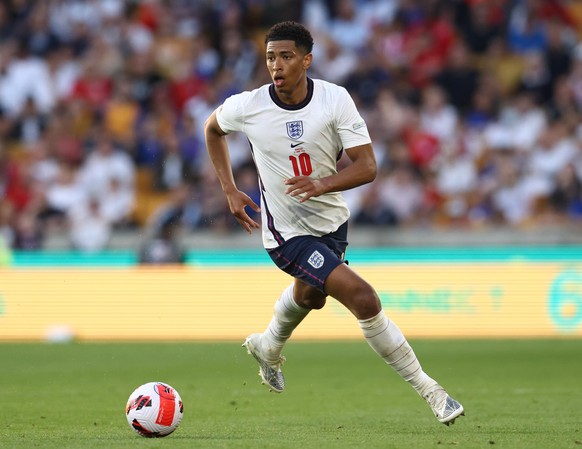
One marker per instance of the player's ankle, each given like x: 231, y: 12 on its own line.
x: 424, y: 384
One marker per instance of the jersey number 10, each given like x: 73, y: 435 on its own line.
x: 301, y: 164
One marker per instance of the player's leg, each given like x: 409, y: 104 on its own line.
x: 292, y: 306
x: 309, y: 261
x: 266, y: 347
x: 381, y: 334
x: 287, y: 315
x: 387, y: 340
x: 296, y: 301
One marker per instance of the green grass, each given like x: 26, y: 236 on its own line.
x: 517, y: 394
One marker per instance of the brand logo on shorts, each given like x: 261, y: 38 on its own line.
x: 295, y: 129
x: 316, y: 260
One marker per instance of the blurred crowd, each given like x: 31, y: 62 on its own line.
x: 474, y: 108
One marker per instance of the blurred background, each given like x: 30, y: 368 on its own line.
x: 474, y: 108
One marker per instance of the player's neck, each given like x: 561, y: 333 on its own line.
x: 293, y: 96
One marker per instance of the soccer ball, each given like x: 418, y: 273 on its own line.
x: 154, y: 410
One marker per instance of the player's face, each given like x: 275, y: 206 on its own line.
x: 287, y: 65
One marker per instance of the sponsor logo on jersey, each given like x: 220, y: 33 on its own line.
x: 316, y: 259
x: 295, y: 129
x: 358, y: 125
x: 295, y: 145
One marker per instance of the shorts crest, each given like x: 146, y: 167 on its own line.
x: 295, y: 129
x: 316, y: 259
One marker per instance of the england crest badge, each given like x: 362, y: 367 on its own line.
x: 295, y: 129
x: 316, y: 259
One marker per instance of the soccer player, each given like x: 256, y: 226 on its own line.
x: 298, y: 128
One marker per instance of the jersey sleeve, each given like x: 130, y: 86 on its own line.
x: 351, y: 126
x: 230, y: 114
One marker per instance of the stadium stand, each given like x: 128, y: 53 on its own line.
x: 474, y: 106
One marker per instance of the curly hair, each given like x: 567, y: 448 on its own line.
x: 291, y: 31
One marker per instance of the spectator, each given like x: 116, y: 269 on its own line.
x: 437, y: 116
x: 388, y: 43
x: 558, y: 52
x: 335, y: 63
x: 164, y: 246
x: 512, y: 200
x: 170, y: 170
x: 6, y: 23
x: 518, y: 125
x: 61, y: 197
x: 239, y: 57
x: 64, y: 70
x: 183, y: 205
x: 24, y: 77
x: 526, y: 32
x: 536, y: 78
x: 482, y: 111
x: 44, y: 167
x: 66, y: 129
x: 184, y: 84
x: 41, y: 39
x: 117, y: 204
x: 566, y: 198
x: 456, y: 180
x: 346, y: 28
x: 93, y: 87
x: 120, y: 114
x: 191, y: 148
x: 106, y: 161
x: 554, y: 151
x: 28, y: 235
x: 480, y: 21
x: 563, y: 105
x: 401, y: 193
x: 89, y: 229
x: 143, y: 77
x: 29, y: 124
x: 372, y: 211
x: 428, y: 43
x: 503, y: 66
x: 422, y: 145
x: 149, y: 142
x: 458, y: 78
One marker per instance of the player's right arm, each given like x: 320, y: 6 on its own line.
x: 219, y: 156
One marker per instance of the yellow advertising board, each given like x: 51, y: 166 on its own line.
x: 516, y: 299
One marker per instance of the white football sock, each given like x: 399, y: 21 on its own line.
x: 387, y: 340
x: 286, y: 318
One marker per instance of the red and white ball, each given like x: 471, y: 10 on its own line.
x: 154, y: 410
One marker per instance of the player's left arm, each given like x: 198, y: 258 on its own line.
x: 361, y: 171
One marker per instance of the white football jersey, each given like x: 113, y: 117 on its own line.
x: 293, y: 140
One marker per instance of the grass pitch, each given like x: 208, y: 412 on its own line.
x: 516, y: 393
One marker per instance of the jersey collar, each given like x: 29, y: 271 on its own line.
x: 292, y: 107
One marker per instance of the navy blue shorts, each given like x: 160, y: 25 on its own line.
x: 311, y: 258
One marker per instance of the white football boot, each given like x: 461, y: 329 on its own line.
x: 444, y: 407
x: 269, y: 370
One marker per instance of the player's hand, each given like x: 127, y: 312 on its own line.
x: 238, y: 201
x: 305, y: 186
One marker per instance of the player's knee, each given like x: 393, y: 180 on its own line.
x: 366, y: 303
x: 310, y: 298
x: 312, y: 302
x: 317, y: 303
